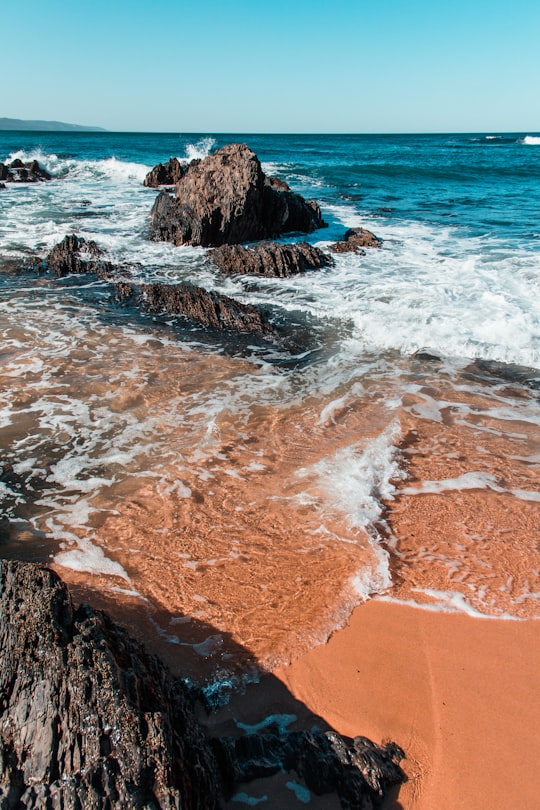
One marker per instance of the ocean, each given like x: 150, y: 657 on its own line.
x: 238, y: 499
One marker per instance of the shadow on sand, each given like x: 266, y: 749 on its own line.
x: 271, y: 747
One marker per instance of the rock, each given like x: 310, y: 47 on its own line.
x: 2, y: 185
x: 209, y: 309
x: 510, y: 372
x: 354, y: 240
x: 74, y: 254
x: 164, y: 174
x: 88, y: 719
x: 270, y: 259
x: 356, y: 769
x: 19, y: 172
x: 427, y: 355
x: 227, y: 199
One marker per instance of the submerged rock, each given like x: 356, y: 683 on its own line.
x: 164, y: 174
x: 227, y: 199
x: 74, y: 254
x: 355, y: 239
x: 88, y: 718
x: 209, y: 309
x: 510, y: 372
x: 270, y: 259
x: 19, y: 172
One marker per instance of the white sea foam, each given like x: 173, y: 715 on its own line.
x: 446, y: 602
x: 531, y: 140
x: 526, y: 494
x: 352, y: 483
x: 355, y: 479
x: 200, y: 150
x: 107, y: 168
x: 89, y: 558
x: 469, y: 480
x: 428, y: 286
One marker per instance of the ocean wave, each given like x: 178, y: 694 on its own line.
x: 531, y: 140
x: 353, y: 483
x: 495, y: 139
x: 200, y: 149
x: 106, y: 169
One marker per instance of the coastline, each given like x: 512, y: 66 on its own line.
x: 459, y: 694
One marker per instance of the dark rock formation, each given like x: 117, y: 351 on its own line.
x: 270, y: 259
x: 209, y: 309
x: 164, y: 174
x: 74, y: 254
x: 227, y: 199
x: 510, y: 372
x: 88, y: 719
x: 357, y: 770
x: 355, y: 239
x: 19, y: 172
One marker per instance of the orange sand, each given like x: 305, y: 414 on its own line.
x: 459, y: 694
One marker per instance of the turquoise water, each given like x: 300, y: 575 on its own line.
x: 459, y: 214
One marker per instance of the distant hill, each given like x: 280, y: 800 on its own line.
x: 44, y: 126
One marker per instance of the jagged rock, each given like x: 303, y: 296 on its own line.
x: 270, y: 259
x: 511, y: 372
x: 164, y: 174
x: 88, y: 719
x: 210, y: 309
x: 356, y: 769
x: 355, y: 239
x: 19, y: 172
x: 74, y: 254
x: 227, y: 199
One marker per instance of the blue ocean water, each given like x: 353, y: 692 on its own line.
x: 114, y: 431
x: 459, y: 215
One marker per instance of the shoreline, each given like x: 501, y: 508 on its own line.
x: 457, y: 693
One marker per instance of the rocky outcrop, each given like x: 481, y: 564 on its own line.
x: 164, y: 174
x: 227, y: 199
x: 354, y: 240
x: 88, y: 719
x: 523, y: 375
x: 357, y: 770
x: 74, y: 254
x: 270, y: 259
x: 209, y: 309
x: 19, y: 172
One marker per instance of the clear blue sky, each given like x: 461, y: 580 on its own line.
x: 280, y: 66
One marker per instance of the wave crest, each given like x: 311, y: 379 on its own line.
x: 59, y: 166
x: 200, y: 150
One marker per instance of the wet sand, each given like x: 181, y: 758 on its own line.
x: 459, y: 694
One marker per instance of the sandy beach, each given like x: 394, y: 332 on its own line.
x: 459, y: 694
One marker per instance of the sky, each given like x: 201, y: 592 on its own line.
x: 279, y: 66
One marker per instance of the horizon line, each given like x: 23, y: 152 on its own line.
x: 102, y: 131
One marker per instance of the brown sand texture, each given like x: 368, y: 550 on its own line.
x: 459, y: 694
